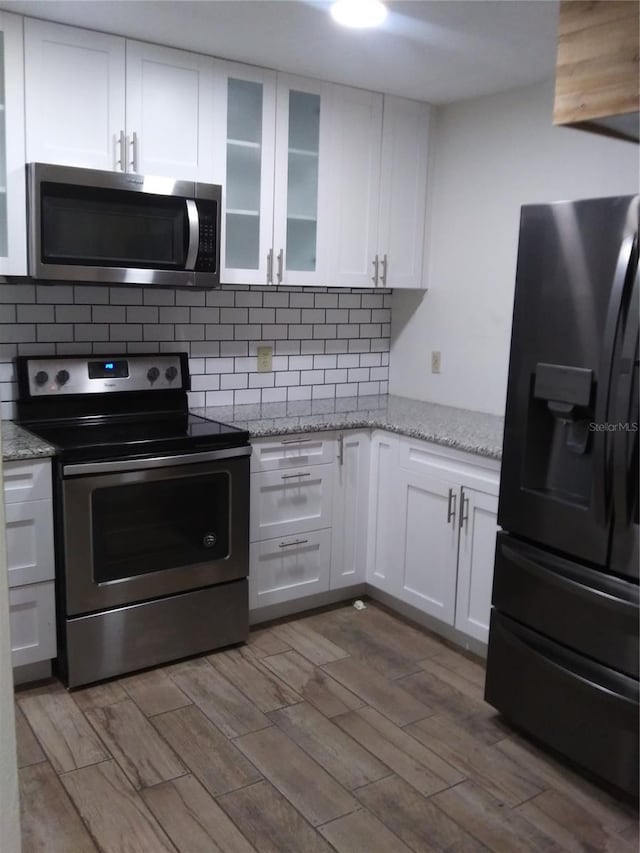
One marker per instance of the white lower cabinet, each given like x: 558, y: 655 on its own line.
x: 32, y: 623
x: 475, y: 562
x: 30, y: 560
x: 428, y: 535
x: 350, y: 509
x: 291, y: 567
x: 412, y: 519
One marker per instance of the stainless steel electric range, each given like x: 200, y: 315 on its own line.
x: 151, y: 509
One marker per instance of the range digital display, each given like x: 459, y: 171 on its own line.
x: 109, y: 369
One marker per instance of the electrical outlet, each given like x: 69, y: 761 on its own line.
x: 435, y: 361
x: 265, y: 356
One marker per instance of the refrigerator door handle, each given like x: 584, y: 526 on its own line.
x: 624, y: 407
x: 601, y: 480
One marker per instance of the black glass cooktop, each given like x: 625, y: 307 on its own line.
x: 109, y: 438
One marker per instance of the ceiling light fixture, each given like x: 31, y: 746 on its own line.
x: 358, y: 13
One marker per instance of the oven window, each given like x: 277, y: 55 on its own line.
x: 114, y: 228
x: 159, y: 525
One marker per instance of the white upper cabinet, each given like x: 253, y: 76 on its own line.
x: 244, y: 133
x: 170, y: 112
x: 13, y: 235
x: 355, y: 179
x: 74, y: 95
x: 403, y: 192
x: 302, y: 201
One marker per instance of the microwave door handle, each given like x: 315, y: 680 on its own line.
x: 194, y: 234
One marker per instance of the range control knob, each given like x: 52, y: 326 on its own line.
x: 41, y: 377
x: 171, y: 373
x: 62, y: 377
x: 152, y: 374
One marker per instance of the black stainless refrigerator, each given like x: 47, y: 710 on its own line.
x: 562, y: 662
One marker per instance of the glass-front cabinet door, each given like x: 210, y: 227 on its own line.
x: 301, y: 187
x: 13, y: 244
x: 249, y: 110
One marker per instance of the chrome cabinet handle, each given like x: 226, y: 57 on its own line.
x: 464, y: 510
x: 383, y: 277
x: 341, y: 449
x: 295, y: 542
x: 374, y: 277
x: 295, y: 440
x: 134, y: 152
x: 292, y: 476
x: 194, y: 234
x: 280, y: 265
x: 119, y: 148
x: 270, y: 266
x: 451, y: 506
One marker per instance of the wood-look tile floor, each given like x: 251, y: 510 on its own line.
x: 348, y: 731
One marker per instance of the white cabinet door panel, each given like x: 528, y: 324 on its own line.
x: 292, y: 451
x: 355, y: 177
x: 170, y: 108
x: 27, y: 481
x: 403, y: 190
x: 385, y: 519
x: 428, y: 567
x: 289, y: 568
x: 74, y: 95
x: 291, y: 502
x: 29, y: 539
x: 349, y: 557
x: 32, y: 623
x: 245, y: 130
x: 475, y: 563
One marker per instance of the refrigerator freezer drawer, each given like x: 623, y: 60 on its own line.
x: 591, y: 612
x: 584, y: 711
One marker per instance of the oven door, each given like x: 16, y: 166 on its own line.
x: 135, y: 531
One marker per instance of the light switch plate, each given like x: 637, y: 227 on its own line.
x: 435, y: 361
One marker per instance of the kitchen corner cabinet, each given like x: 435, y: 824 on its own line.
x: 13, y: 234
x: 432, y: 527
x: 350, y: 509
x: 30, y: 560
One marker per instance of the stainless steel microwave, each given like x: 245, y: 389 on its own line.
x: 95, y: 226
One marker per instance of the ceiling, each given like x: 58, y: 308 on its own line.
x: 437, y: 50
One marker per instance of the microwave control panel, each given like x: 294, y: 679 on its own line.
x: 207, y: 260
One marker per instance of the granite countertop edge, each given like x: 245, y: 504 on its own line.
x: 459, y: 429
x: 20, y: 444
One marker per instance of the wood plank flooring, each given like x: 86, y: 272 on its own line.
x: 344, y: 730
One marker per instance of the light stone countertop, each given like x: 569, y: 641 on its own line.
x: 19, y: 443
x: 473, y: 432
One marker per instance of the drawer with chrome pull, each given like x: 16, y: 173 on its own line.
x: 291, y: 451
x: 284, y: 503
x: 289, y: 567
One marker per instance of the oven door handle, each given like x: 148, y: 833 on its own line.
x: 80, y: 468
x: 194, y: 234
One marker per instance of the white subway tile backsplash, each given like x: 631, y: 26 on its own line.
x: 33, y: 314
x: 325, y: 343
x: 302, y: 392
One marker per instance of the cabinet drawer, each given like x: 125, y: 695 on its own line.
x: 292, y: 567
x: 290, y: 451
x: 29, y: 536
x: 285, y: 503
x: 27, y: 481
x: 32, y: 623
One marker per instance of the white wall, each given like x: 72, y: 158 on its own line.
x: 9, y: 814
x: 488, y: 156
